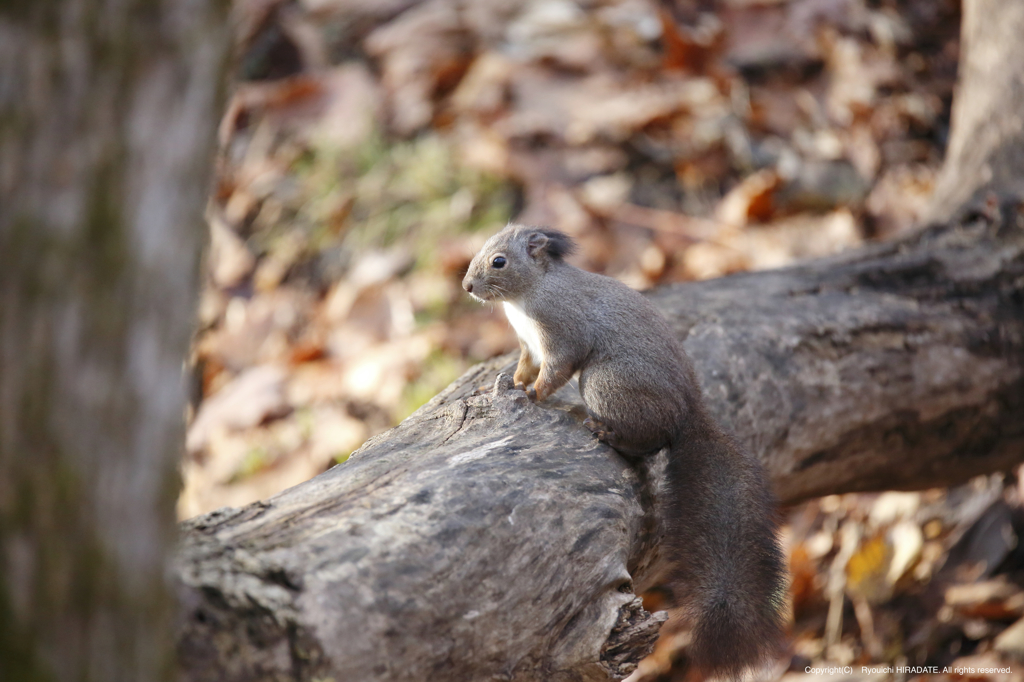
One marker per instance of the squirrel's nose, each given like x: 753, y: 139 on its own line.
x: 467, y: 285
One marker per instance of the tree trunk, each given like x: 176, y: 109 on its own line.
x: 107, y: 118
x: 487, y: 537
x: 987, y: 125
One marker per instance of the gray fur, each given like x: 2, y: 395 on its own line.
x: 642, y: 395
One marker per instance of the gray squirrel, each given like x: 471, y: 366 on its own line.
x: 642, y: 395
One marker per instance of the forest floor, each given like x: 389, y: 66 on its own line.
x: 369, y: 148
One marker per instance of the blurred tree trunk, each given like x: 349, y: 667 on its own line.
x: 984, y: 153
x: 487, y: 537
x: 107, y: 118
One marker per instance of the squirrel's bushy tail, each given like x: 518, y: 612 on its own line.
x: 729, y: 570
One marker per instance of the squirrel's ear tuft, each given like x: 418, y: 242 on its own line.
x: 556, y: 244
x: 536, y: 243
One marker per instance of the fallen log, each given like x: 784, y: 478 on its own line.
x: 487, y: 537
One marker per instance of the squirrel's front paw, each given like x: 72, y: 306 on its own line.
x: 531, y: 393
x: 599, y: 429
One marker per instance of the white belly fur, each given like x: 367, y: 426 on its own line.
x: 526, y: 329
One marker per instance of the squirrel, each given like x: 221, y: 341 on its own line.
x: 642, y: 395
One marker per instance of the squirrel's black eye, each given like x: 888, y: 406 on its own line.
x: 499, y: 262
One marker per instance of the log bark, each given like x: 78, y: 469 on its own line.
x: 487, y: 537
x: 899, y: 366
x: 107, y: 118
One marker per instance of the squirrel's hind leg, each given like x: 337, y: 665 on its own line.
x: 606, y: 434
x: 603, y: 432
x: 625, y: 414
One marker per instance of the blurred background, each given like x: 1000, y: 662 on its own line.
x: 371, y: 146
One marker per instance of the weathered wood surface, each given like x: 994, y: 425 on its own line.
x: 487, y: 537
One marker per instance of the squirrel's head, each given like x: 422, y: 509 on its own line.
x: 512, y: 261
